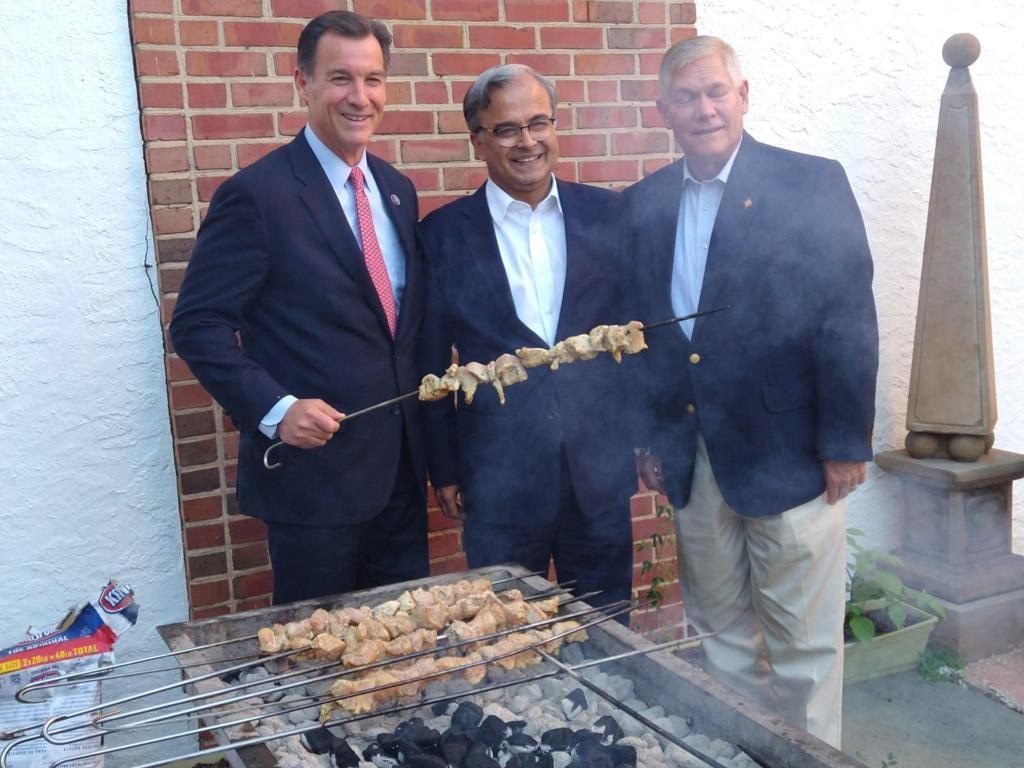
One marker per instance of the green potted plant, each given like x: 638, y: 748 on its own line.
x: 887, y: 623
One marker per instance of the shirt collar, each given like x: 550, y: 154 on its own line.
x: 500, y: 202
x: 722, y: 175
x: 337, y: 170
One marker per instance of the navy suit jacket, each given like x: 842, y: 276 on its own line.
x: 507, y: 458
x: 276, y: 261
x: 785, y: 378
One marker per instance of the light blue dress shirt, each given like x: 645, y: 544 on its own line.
x: 338, y: 171
x: 698, y: 208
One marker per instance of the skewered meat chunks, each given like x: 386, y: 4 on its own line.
x: 615, y: 339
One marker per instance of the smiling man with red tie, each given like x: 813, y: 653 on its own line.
x: 309, y: 255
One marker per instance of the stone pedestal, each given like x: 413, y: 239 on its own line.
x: 957, y: 546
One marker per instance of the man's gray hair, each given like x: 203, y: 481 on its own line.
x: 685, y: 52
x: 478, y: 97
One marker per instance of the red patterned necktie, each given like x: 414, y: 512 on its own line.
x: 371, y: 251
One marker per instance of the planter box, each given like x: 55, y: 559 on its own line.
x: 891, y: 652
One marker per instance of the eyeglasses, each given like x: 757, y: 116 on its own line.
x: 509, y: 135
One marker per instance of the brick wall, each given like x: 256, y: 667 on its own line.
x: 215, y: 88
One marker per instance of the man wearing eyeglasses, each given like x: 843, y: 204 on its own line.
x: 764, y: 411
x: 525, y: 261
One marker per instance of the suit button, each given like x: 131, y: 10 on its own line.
x: 691, y: 408
x: 694, y: 358
x: 396, y: 409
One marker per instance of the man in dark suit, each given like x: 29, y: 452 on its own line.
x: 525, y: 261
x: 763, y: 411
x: 310, y: 256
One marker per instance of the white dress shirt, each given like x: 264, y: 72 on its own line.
x: 338, y: 171
x: 698, y: 209
x: 531, y: 242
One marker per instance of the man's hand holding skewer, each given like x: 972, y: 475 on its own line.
x: 309, y: 423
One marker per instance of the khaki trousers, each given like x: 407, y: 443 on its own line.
x: 773, y: 588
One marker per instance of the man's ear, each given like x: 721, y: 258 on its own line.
x: 474, y: 139
x: 744, y: 94
x: 301, y: 83
x: 663, y: 111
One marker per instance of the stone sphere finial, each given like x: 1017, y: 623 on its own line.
x: 961, y: 50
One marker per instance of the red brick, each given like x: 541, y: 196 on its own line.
x: 212, y: 156
x: 570, y: 90
x: 203, y: 508
x: 642, y: 504
x: 493, y: 36
x: 451, y: 121
x: 304, y: 9
x: 406, y: 121
x: 222, y: 7
x: 639, y: 90
x: 545, y: 63
x: 253, y: 584
x: 253, y: 603
x: 247, y: 529
x: 566, y: 170
x: 651, y: 13
x: 284, y: 63
x: 650, y: 63
x: 444, y: 544
x: 464, y: 10
x: 262, y: 33
x: 399, y: 92
x: 290, y: 123
x: 650, y: 117
x: 436, y: 521
x: 655, y: 164
x: 424, y: 179
x: 463, y: 63
x: 204, y: 536
x: 636, y: 37
x: 537, y: 10
x: 431, y: 93
x: 189, y: 396
x: 207, y: 185
x: 608, y: 12
x: 609, y: 170
x: 250, y: 556
x: 231, y: 475
x: 464, y: 177
x: 210, y: 564
x: 170, y: 276
x: 148, y: 30
x: 681, y: 33
x: 583, y: 145
x: 196, y: 452
x: 169, y: 221
x: 392, y: 9
x: 682, y: 13
x: 645, y: 143
x: 230, y: 443
x: 198, y: 32
x: 156, y: 63
x: 407, y: 64
x: 231, y: 125
x: 606, y: 117
x: 434, y: 150
x: 603, y: 90
x: 262, y: 94
x: 207, y: 95
x: 385, y: 149
x: 589, y: 38
x: 211, y: 612
x: 459, y: 89
x: 250, y: 153
x: 151, y: 6
x: 645, y: 527
x: 604, y: 63
x: 178, y: 370
x: 564, y: 117
x: 428, y: 36
x: 449, y: 565
x: 209, y: 592
x: 166, y: 159
x: 193, y: 423
x: 170, y: 191
x: 430, y: 203
x: 225, y: 63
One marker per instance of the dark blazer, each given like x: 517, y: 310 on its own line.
x: 276, y: 261
x: 785, y: 378
x: 506, y: 458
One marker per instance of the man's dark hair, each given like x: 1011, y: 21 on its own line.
x: 346, y: 24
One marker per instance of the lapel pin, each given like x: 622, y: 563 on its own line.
x: 394, y: 199
x: 748, y: 203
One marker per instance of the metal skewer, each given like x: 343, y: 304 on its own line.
x: 266, y: 454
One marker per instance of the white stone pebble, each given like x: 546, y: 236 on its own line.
x: 742, y: 760
x: 699, y: 742
x: 499, y: 711
x: 723, y: 750
x: 519, y: 704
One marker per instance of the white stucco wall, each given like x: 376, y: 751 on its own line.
x: 861, y: 82
x: 87, y: 484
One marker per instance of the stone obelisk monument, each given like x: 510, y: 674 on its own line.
x: 957, y: 489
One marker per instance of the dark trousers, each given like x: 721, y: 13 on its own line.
x: 595, y: 549
x: 313, y: 561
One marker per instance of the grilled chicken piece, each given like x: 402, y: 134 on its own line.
x: 432, y: 388
x: 327, y: 647
x: 363, y: 652
x: 472, y: 375
x: 319, y: 620
x: 533, y: 357
x: 370, y: 627
x: 563, y: 626
x: 580, y: 347
x: 431, y: 616
x: 399, y: 624
x: 271, y: 639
